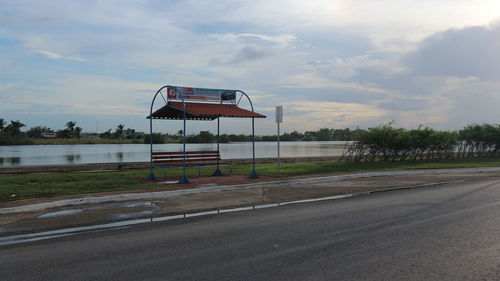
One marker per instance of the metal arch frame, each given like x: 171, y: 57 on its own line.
x: 151, y: 172
x: 253, y: 174
x: 184, y: 179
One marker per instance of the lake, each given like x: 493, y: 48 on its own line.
x: 111, y: 153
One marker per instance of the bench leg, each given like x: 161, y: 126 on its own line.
x: 217, y: 173
x: 183, y: 178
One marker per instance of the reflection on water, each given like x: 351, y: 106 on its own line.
x: 10, y: 161
x: 119, y: 156
x: 72, y: 158
x: 106, y: 153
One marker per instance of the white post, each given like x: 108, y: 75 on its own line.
x: 279, y: 119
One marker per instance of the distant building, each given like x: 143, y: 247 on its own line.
x: 132, y: 134
x: 49, y: 135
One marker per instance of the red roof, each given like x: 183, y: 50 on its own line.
x: 202, y: 111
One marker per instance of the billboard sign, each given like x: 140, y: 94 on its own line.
x: 200, y: 94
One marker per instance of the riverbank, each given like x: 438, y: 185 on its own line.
x: 41, y: 141
x: 47, y: 185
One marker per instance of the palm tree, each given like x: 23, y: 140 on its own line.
x: 77, y: 132
x: 71, y: 126
x: 14, y: 128
x: 119, y: 131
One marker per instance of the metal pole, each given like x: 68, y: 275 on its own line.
x: 151, y: 172
x: 218, y: 172
x: 254, y: 174
x: 279, y: 172
x: 184, y: 179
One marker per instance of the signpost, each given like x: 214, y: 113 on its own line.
x: 279, y: 119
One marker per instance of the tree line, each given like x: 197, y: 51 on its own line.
x: 381, y: 143
x: 323, y: 134
x: 11, y: 134
x: 387, y: 143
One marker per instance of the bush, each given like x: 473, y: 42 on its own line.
x: 387, y: 143
x: 157, y: 138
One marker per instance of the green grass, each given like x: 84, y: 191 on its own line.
x: 56, y: 184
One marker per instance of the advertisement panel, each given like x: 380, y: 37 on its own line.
x: 201, y: 94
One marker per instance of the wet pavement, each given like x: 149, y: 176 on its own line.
x: 450, y: 232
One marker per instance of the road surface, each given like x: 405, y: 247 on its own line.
x: 450, y: 232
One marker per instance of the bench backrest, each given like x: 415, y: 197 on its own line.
x: 192, y: 157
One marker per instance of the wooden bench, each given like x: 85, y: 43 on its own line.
x: 193, y: 159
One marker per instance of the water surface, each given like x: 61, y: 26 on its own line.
x: 112, y: 153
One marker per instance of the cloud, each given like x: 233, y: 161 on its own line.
x: 6, y: 86
x: 283, y: 40
x: 471, y: 51
x: 54, y: 56
x: 251, y: 54
x: 315, y: 115
x: 351, y: 62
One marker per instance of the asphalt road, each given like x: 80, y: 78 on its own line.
x: 449, y: 232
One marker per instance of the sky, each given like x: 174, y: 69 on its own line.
x: 331, y: 64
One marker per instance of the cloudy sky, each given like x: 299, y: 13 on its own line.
x: 332, y: 64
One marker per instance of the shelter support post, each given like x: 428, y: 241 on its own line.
x: 253, y: 174
x: 217, y: 172
x: 183, y: 178
x: 151, y: 176
x: 279, y: 168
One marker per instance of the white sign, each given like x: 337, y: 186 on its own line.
x: 279, y: 114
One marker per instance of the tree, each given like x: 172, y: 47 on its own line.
x: 71, y: 125
x: 71, y: 131
x: 76, y: 132
x: 14, y: 128
x: 36, y: 132
x: 2, y: 124
x: 119, y: 131
x: 106, y: 134
x: 324, y: 134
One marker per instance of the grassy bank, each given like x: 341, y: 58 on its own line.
x: 84, y: 141
x: 57, y: 184
x: 40, y: 141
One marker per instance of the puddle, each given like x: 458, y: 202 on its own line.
x: 132, y: 215
x: 169, y: 182
x: 60, y: 213
x: 138, y: 204
x: 23, y: 238
x: 141, y: 204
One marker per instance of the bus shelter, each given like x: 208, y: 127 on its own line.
x: 186, y: 103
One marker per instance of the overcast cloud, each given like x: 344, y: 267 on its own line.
x: 329, y: 63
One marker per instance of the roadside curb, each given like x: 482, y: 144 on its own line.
x: 214, y: 188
